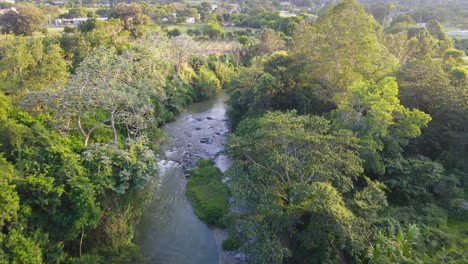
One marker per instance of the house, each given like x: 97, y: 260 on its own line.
x: 234, y: 8
x: 213, y: 7
x: 421, y: 25
x: 228, y: 24
x: 286, y: 14
x: 7, y: 10
x: 458, y: 33
x: 190, y: 20
x: 8, y: 1
x: 75, y: 21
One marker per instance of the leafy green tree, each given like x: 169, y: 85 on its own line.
x: 413, y: 180
x: 76, y: 12
x: 443, y: 42
x: 133, y: 16
x: 31, y: 64
x: 205, y: 83
x: 270, y: 41
x: 25, y: 21
x: 213, y: 29
x: 376, y: 115
x: 9, y: 200
x: 130, y: 168
x: 22, y: 249
x: 402, y: 47
x: 342, y: 49
x: 111, y: 90
x: 291, y: 174
x: 395, y: 247
x: 400, y: 24
x: 426, y: 86
x: 183, y: 47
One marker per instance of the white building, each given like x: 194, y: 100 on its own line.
x: 8, y: 1
x: 458, y: 33
x: 190, y: 20
x: 75, y: 21
x: 286, y: 14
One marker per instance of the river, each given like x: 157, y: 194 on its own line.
x: 169, y: 232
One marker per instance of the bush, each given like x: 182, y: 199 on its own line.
x: 208, y: 194
x: 231, y: 243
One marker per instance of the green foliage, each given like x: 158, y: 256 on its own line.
x: 294, y: 175
x: 31, y: 65
x: 412, y: 180
x: 9, y: 200
x: 174, y: 32
x: 205, y: 84
x: 231, y: 243
x: 132, y: 16
x: 342, y: 49
x: 27, y: 19
x: 426, y: 86
x: 121, y: 169
x: 22, y: 249
x: 208, y: 194
x: 392, y: 247
x: 213, y: 29
x: 375, y: 114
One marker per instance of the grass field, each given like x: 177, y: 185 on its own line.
x: 216, y: 47
x: 199, y: 26
x: 55, y: 30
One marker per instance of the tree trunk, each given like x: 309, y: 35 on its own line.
x: 114, y: 131
x: 81, y: 240
x: 83, y: 133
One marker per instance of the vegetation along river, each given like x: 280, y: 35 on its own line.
x: 169, y: 231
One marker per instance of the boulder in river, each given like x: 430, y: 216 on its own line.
x: 206, y: 141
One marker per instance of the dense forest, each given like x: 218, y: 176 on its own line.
x: 350, y: 144
x: 349, y: 128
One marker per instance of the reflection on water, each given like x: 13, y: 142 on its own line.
x: 169, y: 231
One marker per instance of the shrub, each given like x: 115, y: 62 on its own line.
x: 231, y: 243
x: 208, y: 194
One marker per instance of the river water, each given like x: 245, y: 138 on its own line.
x: 169, y: 232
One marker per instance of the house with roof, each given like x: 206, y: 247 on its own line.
x: 75, y: 21
x: 8, y: 1
x: 7, y: 10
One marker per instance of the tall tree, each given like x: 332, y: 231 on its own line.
x: 113, y: 91
x: 425, y: 85
x: 376, y: 115
x: 294, y: 177
x: 31, y: 64
x: 342, y: 49
x: 24, y: 21
x: 183, y: 47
